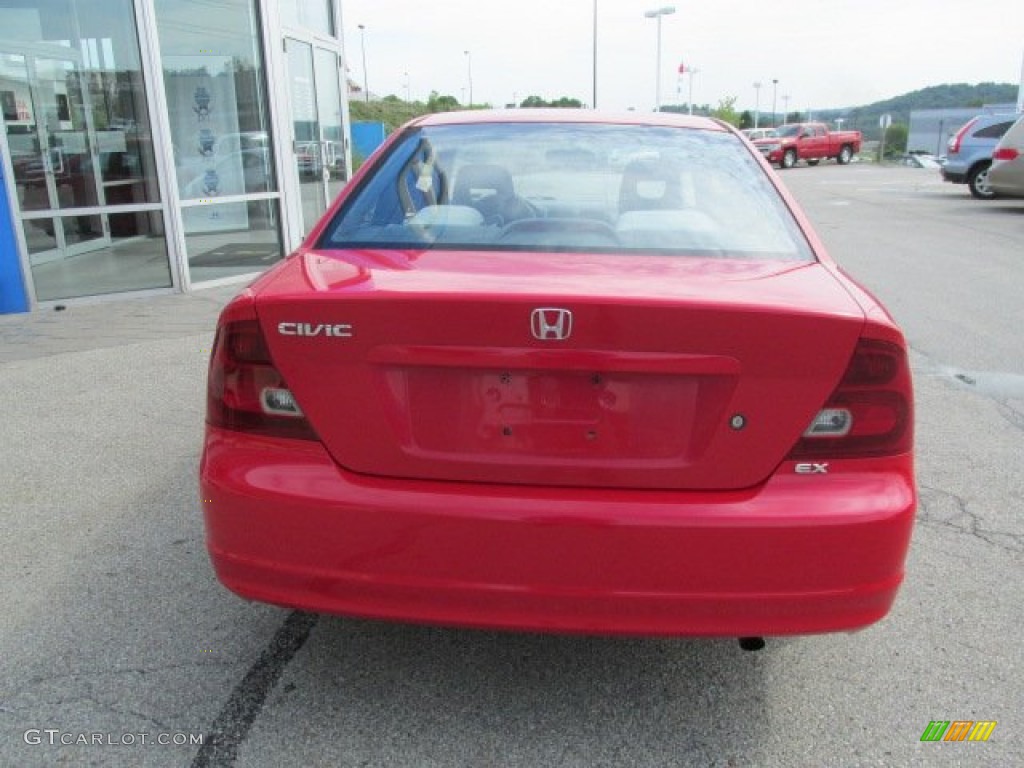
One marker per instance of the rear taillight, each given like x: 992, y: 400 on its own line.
x: 245, y: 392
x: 871, y: 411
x: 954, y: 143
x: 1005, y: 153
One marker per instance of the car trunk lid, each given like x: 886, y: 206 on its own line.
x: 508, y: 368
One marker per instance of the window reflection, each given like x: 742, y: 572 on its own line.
x: 74, y: 104
x: 133, y: 257
x: 225, y: 239
x: 213, y: 77
x: 77, y: 128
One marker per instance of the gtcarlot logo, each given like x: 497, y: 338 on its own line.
x: 57, y: 737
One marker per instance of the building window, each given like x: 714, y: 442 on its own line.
x: 131, y: 257
x: 214, y: 79
x: 314, y: 15
x: 76, y: 126
x: 224, y: 239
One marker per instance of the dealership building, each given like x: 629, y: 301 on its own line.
x: 150, y: 146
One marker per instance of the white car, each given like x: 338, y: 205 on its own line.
x: 759, y: 133
x: 1006, y: 174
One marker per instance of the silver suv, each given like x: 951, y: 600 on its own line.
x: 969, y: 153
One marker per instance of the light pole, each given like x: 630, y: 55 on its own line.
x: 757, y: 103
x: 469, y: 74
x: 408, y: 88
x: 692, y: 71
x: 657, y: 14
x: 593, y: 95
x: 775, y: 89
x: 366, y: 77
x: 785, y: 108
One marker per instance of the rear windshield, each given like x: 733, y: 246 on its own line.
x: 570, y: 188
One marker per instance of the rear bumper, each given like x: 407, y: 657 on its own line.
x: 955, y: 177
x: 1006, y: 179
x: 800, y: 554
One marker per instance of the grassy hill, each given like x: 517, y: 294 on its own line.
x: 391, y: 111
x: 948, y: 96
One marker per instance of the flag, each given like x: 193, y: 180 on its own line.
x: 682, y: 67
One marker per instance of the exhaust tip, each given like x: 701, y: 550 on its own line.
x: 751, y: 643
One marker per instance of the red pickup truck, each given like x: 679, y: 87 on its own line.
x: 812, y: 142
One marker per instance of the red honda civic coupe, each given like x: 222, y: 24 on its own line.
x: 563, y: 371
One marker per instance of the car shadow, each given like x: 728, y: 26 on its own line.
x: 544, y: 699
x: 1007, y: 207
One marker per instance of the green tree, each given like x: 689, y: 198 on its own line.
x: 727, y: 110
x: 533, y: 101
x: 896, y: 140
x: 439, y: 103
x: 566, y: 102
x: 746, y: 119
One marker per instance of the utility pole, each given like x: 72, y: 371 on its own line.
x: 593, y: 95
x: 366, y: 77
x: 657, y: 14
x: 775, y: 90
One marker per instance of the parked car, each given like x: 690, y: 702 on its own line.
x: 759, y: 133
x: 969, y: 153
x: 504, y: 386
x: 811, y: 142
x: 1006, y: 175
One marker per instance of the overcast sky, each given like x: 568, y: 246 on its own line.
x: 824, y: 53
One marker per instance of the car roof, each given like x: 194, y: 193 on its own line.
x: 981, y: 121
x: 588, y: 116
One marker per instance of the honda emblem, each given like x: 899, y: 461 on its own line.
x: 551, y: 323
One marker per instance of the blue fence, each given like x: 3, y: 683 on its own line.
x: 366, y: 137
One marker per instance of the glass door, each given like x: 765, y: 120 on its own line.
x: 318, y: 142
x: 54, y: 153
x: 75, y: 127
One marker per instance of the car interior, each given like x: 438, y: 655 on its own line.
x: 564, y: 199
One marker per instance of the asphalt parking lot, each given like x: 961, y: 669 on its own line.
x: 117, y: 638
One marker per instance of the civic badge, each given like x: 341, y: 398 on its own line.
x: 551, y: 323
